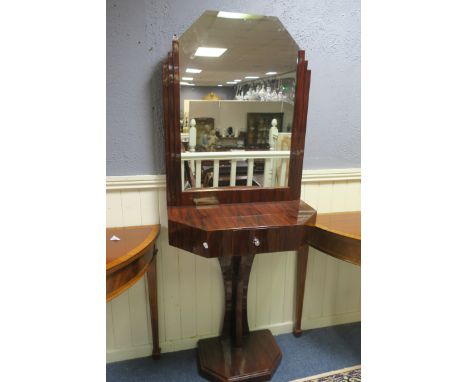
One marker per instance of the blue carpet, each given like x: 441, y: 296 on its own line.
x: 317, y: 351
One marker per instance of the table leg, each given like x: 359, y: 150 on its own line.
x: 301, y: 270
x: 153, y: 303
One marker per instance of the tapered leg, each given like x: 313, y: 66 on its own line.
x: 301, y: 270
x: 153, y: 303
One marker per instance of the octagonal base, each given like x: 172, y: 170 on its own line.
x: 256, y: 360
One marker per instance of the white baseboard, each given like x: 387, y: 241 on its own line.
x: 116, y: 355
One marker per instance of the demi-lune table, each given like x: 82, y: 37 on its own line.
x: 128, y: 258
x: 336, y: 234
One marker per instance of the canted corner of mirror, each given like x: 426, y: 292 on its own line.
x: 237, y: 75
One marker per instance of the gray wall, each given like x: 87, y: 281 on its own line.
x: 139, y: 36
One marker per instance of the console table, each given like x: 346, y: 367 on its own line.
x: 127, y: 260
x: 235, y: 233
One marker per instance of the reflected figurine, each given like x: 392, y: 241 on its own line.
x: 262, y: 93
x: 273, y: 134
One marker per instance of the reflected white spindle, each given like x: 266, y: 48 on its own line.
x: 192, y: 167
x: 283, y: 173
x: 182, y: 174
x: 250, y: 172
x: 216, y: 173
x: 232, y: 181
x: 267, y: 173
x: 273, y: 172
x: 198, y: 174
x: 271, y: 158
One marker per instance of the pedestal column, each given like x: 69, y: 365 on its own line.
x: 238, y: 355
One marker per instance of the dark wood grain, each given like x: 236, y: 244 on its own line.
x: 231, y: 229
x: 239, y: 223
x: 256, y: 360
x: 127, y: 260
x: 338, y: 235
x: 301, y: 103
x: 236, y: 274
x: 153, y: 303
x: 301, y: 272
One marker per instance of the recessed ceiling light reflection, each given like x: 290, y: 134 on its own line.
x: 232, y: 15
x: 187, y: 78
x: 235, y: 15
x: 251, y: 77
x: 192, y: 70
x: 231, y: 82
x: 186, y: 83
x: 209, y: 52
x: 220, y: 85
x: 237, y: 80
x: 271, y: 73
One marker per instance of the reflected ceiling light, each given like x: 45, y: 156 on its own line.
x: 271, y: 73
x: 235, y: 15
x: 191, y: 70
x: 232, y: 15
x: 251, y: 77
x: 220, y: 85
x: 187, y: 78
x: 186, y: 83
x: 231, y: 82
x: 237, y: 80
x: 203, y: 51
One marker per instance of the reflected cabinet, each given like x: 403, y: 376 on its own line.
x: 235, y: 91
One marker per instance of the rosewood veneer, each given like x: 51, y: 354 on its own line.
x: 234, y: 224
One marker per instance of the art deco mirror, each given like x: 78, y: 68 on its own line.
x: 236, y: 119
x: 235, y: 90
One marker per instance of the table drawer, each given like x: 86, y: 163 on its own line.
x: 239, y: 242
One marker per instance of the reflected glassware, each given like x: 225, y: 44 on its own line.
x: 262, y: 93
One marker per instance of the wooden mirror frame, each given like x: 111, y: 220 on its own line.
x: 237, y: 194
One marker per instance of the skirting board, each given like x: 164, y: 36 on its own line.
x: 185, y: 344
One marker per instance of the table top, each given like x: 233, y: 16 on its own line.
x: 243, y: 215
x: 133, y: 240
x: 346, y: 224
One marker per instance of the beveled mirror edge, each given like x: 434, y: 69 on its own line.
x: 171, y: 118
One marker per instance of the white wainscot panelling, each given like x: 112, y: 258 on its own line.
x: 190, y: 288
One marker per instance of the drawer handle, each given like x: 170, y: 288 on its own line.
x: 205, y: 245
x: 256, y: 242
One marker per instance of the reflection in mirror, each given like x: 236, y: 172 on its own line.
x: 237, y: 75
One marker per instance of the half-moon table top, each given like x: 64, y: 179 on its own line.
x: 342, y: 223
x: 132, y: 244
x: 338, y: 235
